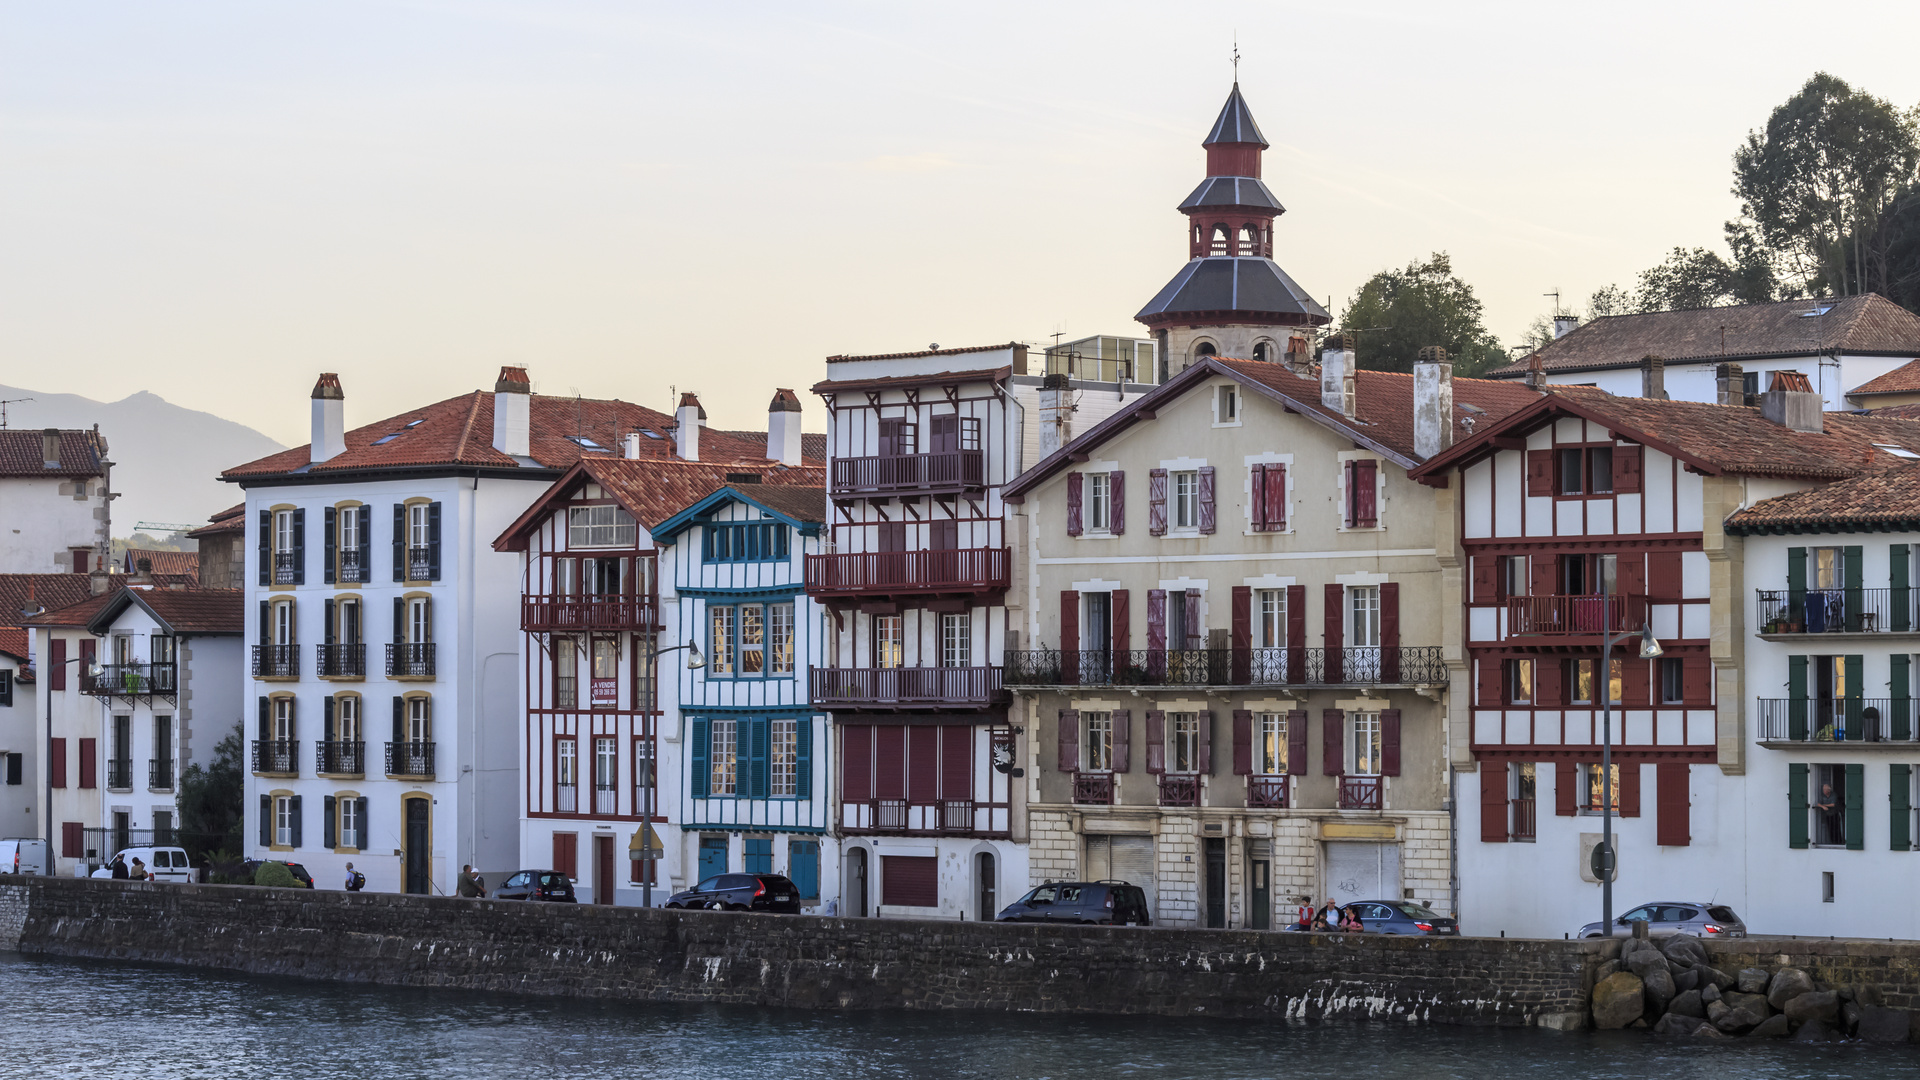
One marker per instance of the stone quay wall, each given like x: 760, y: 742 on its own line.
x: 799, y: 961
x: 1887, y: 972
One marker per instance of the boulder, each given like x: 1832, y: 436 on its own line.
x: 1720, y: 979
x: 1672, y: 1024
x: 1743, y: 1011
x: 1659, y: 989
x: 1688, y: 1004
x: 1605, y: 970
x: 1787, y: 984
x: 1644, y: 960
x: 1685, y: 951
x: 1815, y: 1031
x: 1709, y: 993
x: 1618, y: 1000
x: 1752, y: 980
x: 1820, y: 1005
x: 1883, y: 1025
x: 1718, y: 1011
x: 1849, y: 1016
x: 1687, y: 980
x: 1708, y: 1031
x: 1776, y: 1026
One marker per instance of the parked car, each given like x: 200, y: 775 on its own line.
x: 537, y: 885
x: 1108, y: 903
x: 1400, y: 917
x: 299, y: 872
x: 164, y: 863
x: 1665, y: 918
x: 24, y: 856
x: 741, y: 892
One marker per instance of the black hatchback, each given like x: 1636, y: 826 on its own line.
x: 741, y: 892
x: 550, y: 885
x: 1106, y: 903
x: 1401, y: 917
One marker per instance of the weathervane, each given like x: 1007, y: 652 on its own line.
x: 1236, y: 58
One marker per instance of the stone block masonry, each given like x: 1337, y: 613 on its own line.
x: 798, y: 961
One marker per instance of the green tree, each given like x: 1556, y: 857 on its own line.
x: 211, y: 812
x: 1399, y: 312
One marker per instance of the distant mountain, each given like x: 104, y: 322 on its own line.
x: 166, y: 460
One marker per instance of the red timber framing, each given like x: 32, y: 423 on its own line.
x: 931, y: 777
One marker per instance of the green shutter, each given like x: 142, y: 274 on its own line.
x: 761, y: 769
x: 1854, y: 674
x: 1797, y: 585
x: 1856, y: 807
x: 1796, y: 806
x: 1797, y: 698
x: 266, y: 818
x: 1900, y: 614
x: 1900, y: 821
x: 701, y: 775
x: 803, y: 757
x: 1852, y: 578
x: 1900, y: 697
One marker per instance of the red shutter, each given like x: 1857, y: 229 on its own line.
x: 1117, y: 502
x: 1074, y: 481
x: 1068, y: 737
x: 1333, y: 626
x: 1069, y: 637
x: 1242, y: 742
x: 889, y: 762
x: 909, y: 881
x: 1196, y: 633
x: 87, y: 646
x: 1540, y: 472
x: 1674, y: 826
x: 956, y: 761
x: 1276, y: 500
x: 57, y: 763
x: 1663, y: 575
x: 1390, y: 742
x: 1545, y: 578
x: 1566, y: 788
x: 923, y: 764
x: 856, y: 763
x: 1156, y: 741
x: 1157, y: 502
x: 1241, y: 635
x: 1297, y: 742
x: 1629, y: 788
x: 1296, y: 633
x: 1633, y: 683
x: 1333, y: 742
x: 1389, y: 631
x: 1205, y: 741
x: 1486, y: 578
x: 1488, y: 692
x: 1493, y: 802
x: 1626, y: 470
x: 1122, y: 739
x: 57, y: 662
x: 1206, y: 500
x: 1257, y: 497
x: 566, y: 850
x: 1548, y: 681
x: 1633, y: 575
x: 1156, y: 620
x: 1366, y: 513
x: 89, y: 754
x: 73, y: 839
x: 1698, y: 673
x: 1118, y: 611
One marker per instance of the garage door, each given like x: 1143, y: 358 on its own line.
x: 1362, y: 871
x: 1123, y: 858
x: 909, y: 881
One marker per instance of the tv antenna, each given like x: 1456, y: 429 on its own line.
x: 1236, y: 58
x: 1556, y: 300
x: 3, y: 409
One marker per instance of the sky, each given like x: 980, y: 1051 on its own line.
x: 216, y: 201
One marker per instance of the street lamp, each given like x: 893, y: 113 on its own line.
x: 647, y: 852
x: 1603, y: 856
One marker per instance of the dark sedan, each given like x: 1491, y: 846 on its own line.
x: 550, y: 885
x: 1400, y: 917
x: 741, y: 892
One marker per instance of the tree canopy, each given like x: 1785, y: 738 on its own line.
x: 1399, y: 312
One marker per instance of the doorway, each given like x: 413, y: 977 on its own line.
x: 857, y: 882
x: 418, y: 838
x: 602, y: 869
x: 1216, y: 882
x: 713, y: 856
x: 1262, y: 897
x: 983, y: 884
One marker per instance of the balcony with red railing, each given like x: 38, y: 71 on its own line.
x: 1182, y: 789
x: 560, y: 612
x: 1267, y: 792
x: 925, y: 817
x: 905, y: 573
x: 1361, y: 793
x: 1574, y: 615
x: 1093, y: 789
x: 890, y: 688
x: 1522, y: 820
x: 947, y: 471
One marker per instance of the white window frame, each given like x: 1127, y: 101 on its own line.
x: 419, y: 620
x: 1270, y: 744
x: 418, y: 531
x: 1183, y: 743
x: 896, y: 643
x: 603, y: 526
x: 1589, y: 774
x: 346, y: 720
x: 419, y: 716
x: 566, y: 768
x: 1226, y: 405
x: 283, y: 821
x: 1096, y: 741
x: 282, y: 719
x: 1363, y: 616
x: 723, y: 758
x: 956, y: 639
x: 1099, y: 502
x: 284, y: 624
x: 720, y: 639
x: 350, y: 824
x: 1270, y: 615
x: 783, y: 752
x: 1364, y: 744
x: 283, y: 532
x: 751, y: 628
x: 1183, y: 499
x: 780, y: 639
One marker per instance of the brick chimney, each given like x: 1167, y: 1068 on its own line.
x: 1536, y: 373
x: 686, y: 431
x: 783, y: 427
x: 1336, y: 374
x: 1432, y: 402
x: 329, y: 434
x: 1653, y: 378
x: 1729, y: 384
x: 50, y: 448
x: 513, y: 412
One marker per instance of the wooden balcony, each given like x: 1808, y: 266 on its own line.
x: 563, y: 612
x: 893, y: 688
x: 943, y: 473
x: 1093, y: 789
x: 910, y: 573
x: 925, y: 817
x: 1179, y: 789
x: 1564, y: 616
x: 1267, y: 792
x: 1419, y: 665
x: 1361, y: 793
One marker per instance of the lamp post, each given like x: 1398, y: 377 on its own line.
x: 694, y: 662
x: 1603, y: 857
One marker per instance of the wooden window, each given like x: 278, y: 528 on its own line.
x: 1268, y: 491
x: 1186, y: 499
x: 1362, y: 494
x: 1096, y: 742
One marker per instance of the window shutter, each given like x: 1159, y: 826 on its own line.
x: 1796, y: 806
x: 1663, y: 575
x: 1240, y: 637
x: 399, y: 720
x: 266, y: 547
x: 1796, y: 584
x: 1543, y: 579
x: 1900, y: 693
x: 365, y: 840
x: 1205, y: 720
x: 89, y: 757
x: 1635, y: 690
x: 326, y: 631
x: 266, y: 624
x: 1366, y: 495
x: 762, y: 782
x: 1297, y: 742
x: 1540, y: 472
x: 1333, y: 742
x: 1206, y: 500
x: 1068, y: 737
x: 366, y: 544
x: 300, y: 547
x: 433, y: 541
x: 956, y: 762
x: 266, y: 719
x: 1275, y: 481
x: 1797, y: 698
x: 1566, y: 788
x: 1855, y: 676
x: 1549, y: 682
x: 1390, y: 742
x: 1243, y: 742
x: 1486, y: 578
x: 1117, y: 502
x: 1900, y: 792
x: 1156, y: 742
x: 1633, y: 575
x: 699, y: 750
x: 266, y: 821
x: 1257, y: 497
x: 329, y: 549
x: 399, y: 619
x: 1899, y: 581
x: 1629, y: 788
x: 57, y: 660
x: 1296, y: 633
x: 327, y: 724
x: 1697, y: 680
x: 1157, y: 502
x: 803, y: 757
x: 328, y: 809
x: 1074, y: 484
x: 1069, y: 637
x: 294, y: 816
x: 1122, y: 738
x: 1493, y: 802
x: 1626, y: 470
x: 856, y: 763
x: 1856, y: 807
x: 1673, y: 827
x: 1120, y: 615
x: 1390, y: 632
x: 1156, y: 620
x: 1196, y: 632
x: 1333, y: 627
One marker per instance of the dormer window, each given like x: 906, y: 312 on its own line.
x: 600, y: 526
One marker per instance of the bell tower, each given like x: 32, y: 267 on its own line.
x: 1232, y: 299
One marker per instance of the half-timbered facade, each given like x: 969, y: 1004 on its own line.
x: 913, y: 581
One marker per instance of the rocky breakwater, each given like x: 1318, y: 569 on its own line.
x: 1673, y: 988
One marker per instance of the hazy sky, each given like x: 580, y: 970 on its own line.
x: 216, y: 201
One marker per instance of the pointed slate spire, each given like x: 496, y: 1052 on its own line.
x: 1235, y: 124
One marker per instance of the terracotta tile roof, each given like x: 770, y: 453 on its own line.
x: 1869, y: 325
x: 459, y: 432
x: 183, y: 611
x: 13, y: 642
x: 841, y: 358
x: 1904, y: 379
x: 231, y: 520
x: 653, y: 490
x: 801, y: 503
x: 976, y: 375
x: 1886, y: 501
x: 163, y: 563
x: 1895, y: 412
x: 50, y: 591
x: 72, y: 616
x: 23, y: 453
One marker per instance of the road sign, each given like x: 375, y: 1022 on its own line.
x: 644, y: 845
x: 1604, y: 863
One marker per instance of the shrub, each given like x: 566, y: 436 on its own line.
x: 276, y: 875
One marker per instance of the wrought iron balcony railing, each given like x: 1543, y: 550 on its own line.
x: 1837, y: 611
x: 1830, y: 720
x: 160, y: 774
x: 953, y: 470
x: 351, y: 569
x: 409, y: 759
x: 341, y: 758
x: 277, y: 756
x: 410, y: 660
x: 1359, y: 666
x: 909, y: 572
x: 131, y: 680
x: 340, y: 661
x: 959, y: 687
x: 276, y: 661
x: 420, y: 563
x: 286, y: 568
x: 120, y: 774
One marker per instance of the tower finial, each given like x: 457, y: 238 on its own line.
x: 1236, y: 58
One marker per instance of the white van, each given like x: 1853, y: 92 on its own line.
x: 25, y: 856
x: 165, y: 863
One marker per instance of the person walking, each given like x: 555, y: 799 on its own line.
x: 118, y: 866
x: 471, y: 884
x: 355, y: 879
x: 139, y: 871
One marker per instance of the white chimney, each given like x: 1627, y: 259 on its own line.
x: 630, y: 446
x: 329, y: 420
x: 513, y: 413
x: 1432, y: 402
x: 1563, y: 325
x: 1056, y: 408
x: 686, y: 431
x: 783, y: 427
x: 1336, y: 362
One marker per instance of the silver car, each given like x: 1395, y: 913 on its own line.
x: 1665, y: 918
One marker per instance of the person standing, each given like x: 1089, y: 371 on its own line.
x: 118, y: 866
x: 1332, y: 914
x: 471, y: 884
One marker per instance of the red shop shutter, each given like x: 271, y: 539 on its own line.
x: 1566, y: 788
x: 1157, y: 502
x: 1242, y: 742
x: 889, y: 762
x: 1626, y: 470
x: 1156, y: 741
x: 1117, y: 502
x: 1390, y: 742
x: 1074, y: 482
x: 1297, y: 742
x: 1257, y: 497
x: 1333, y: 742
x: 1276, y: 500
x: 1674, y: 827
x: 1241, y: 635
x: 1119, y: 613
x: 1156, y: 620
x: 910, y: 881
x: 73, y: 839
x: 1629, y: 788
x: 1069, y: 741
x: 1333, y: 627
x: 1206, y: 500
x: 1122, y: 735
x: 956, y: 761
x: 1493, y: 802
x: 1540, y: 472
x: 856, y: 763
x: 923, y: 764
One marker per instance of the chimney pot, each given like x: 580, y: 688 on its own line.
x: 1653, y: 378
x: 1432, y: 402
x: 1792, y: 402
x: 686, y: 429
x: 1336, y: 363
x: 513, y: 412
x: 1730, y: 384
x: 1563, y: 325
x: 1536, y: 373
x: 783, y: 427
x: 328, y: 437
x: 50, y: 448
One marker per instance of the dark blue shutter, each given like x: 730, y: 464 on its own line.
x: 366, y: 542
x: 266, y: 719
x: 326, y: 632
x: 329, y: 549
x: 761, y: 766
x: 327, y: 821
x: 1856, y: 807
x: 399, y: 542
x: 299, y: 547
x: 327, y: 725
x: 699, y: 751
x: 433, y: 541
x: 266, y: 818
x: 266, y: 623
x: 293, y: 814
x: 399, y: 719
x: 266, y: 547
x: 365, y: 840
x: 803, y: 757
x: 399, y: 619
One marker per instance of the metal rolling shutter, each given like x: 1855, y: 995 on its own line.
x: 1132, y: 862
x: 910, y: 880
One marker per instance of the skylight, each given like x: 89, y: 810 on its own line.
x: 1818, y: 310
x: 585, y: 443
x: 386, y: 438
x: 1897, y: 451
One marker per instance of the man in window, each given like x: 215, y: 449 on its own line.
x: 1828, y: 808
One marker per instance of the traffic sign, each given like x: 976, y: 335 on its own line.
x: 645, y: 844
